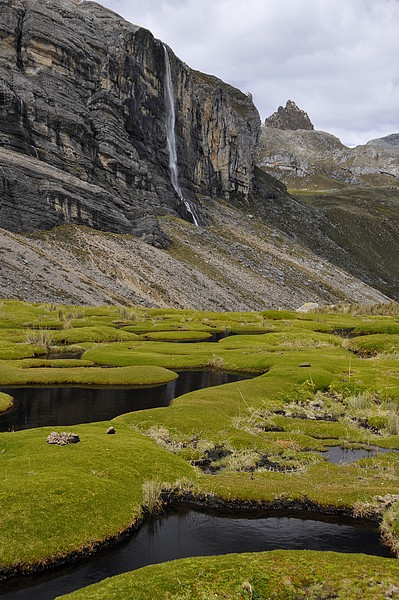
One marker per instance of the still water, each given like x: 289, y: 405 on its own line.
x: 344, y: 456
x: 64, y: 406
x: 192, y: 533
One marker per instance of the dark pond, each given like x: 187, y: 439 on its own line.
x: 191, y: 533
x: 344, y: 332
x: 63, y: 355
x: 62, y: 406
x: 344, y: 456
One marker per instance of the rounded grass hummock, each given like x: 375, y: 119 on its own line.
x: 57, y: 500
x: 6, y: 402
x: 275, y: 575
x: 129, y: 376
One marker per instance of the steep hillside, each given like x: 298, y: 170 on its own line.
x: 343, y: 203
x: 109, y: 142
x: 236, y: 263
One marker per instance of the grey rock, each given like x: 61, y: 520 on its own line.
x: 62, y: 439
x: 82, y: 124
x: 111, y: 430
x: 289, y: 117
x: 389, y: 142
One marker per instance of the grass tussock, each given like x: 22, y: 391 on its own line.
x: 152, y: 495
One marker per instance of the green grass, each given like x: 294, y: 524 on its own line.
x: 137, y: 375
x: 310, y: 391
x: 273, y: 575
x: 377, y: 343
x: 55, y: 500
x: 6, y: 402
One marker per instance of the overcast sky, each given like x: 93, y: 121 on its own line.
x: 337, y: 59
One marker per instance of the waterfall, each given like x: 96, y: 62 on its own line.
x: 21, y: 113
x: 171, y: 136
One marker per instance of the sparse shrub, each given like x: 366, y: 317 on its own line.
x: 241, y: 460
x: 125, y: 313
x: 39, y: 338
x: 152, y: 495
x: 216, y: 362
x: 360, y: 401
x: 392, y: 425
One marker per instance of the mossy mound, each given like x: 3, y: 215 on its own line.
x: 57, y: 500
x: 6, y: 402
x: 273, y: 575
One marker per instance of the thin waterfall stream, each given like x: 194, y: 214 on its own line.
x: 170, y: 119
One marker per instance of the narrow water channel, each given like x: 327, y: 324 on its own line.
x: 192, y: 533
x: 64, y: 406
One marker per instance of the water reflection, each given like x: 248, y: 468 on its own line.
x: 64, y: 406
x: 344, y: 456
x: 192, y: 533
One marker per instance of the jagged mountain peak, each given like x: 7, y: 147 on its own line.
x: 290, y: 117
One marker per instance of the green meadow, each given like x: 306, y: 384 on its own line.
x: 317, y: 380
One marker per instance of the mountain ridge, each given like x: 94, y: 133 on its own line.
x: 85, y: 181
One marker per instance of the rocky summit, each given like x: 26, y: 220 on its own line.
x: 127, y: 177
x: 289, y: 117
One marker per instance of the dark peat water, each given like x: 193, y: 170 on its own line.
x: 345, y: 456
x: 192, y: 533
x: 57, y: 406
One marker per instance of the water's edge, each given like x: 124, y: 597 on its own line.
x: 175, y: 499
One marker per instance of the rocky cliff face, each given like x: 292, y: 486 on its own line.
x: 82, y: 124
x: 289, y: 117
x: 303, y: 159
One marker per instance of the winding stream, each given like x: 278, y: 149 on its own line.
x: 64, y: 406
x: 177, y: 534
x: 192, y: 533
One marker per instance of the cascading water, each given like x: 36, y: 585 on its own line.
x: 171, y: 137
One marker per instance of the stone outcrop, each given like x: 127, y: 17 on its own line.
x: 299, y: 158
x: 290, y: 117
x: 388, y: 142
x: 82, y: 124
x: 63, y: 439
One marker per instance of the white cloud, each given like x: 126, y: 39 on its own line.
x: 337, y: 59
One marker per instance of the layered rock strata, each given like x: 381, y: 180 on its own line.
x: 82, y: 124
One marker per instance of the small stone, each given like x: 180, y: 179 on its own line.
x: 304, y: 364
x: 111, y: 430
x: 62, y: 439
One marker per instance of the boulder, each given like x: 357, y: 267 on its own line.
x: 62, y: 439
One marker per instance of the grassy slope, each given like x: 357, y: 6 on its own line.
x: 365, y: 223
x: 103, y: 475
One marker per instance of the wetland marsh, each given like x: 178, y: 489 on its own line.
x: 263, y: 440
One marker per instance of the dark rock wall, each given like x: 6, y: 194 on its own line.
x: 82, y: 94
